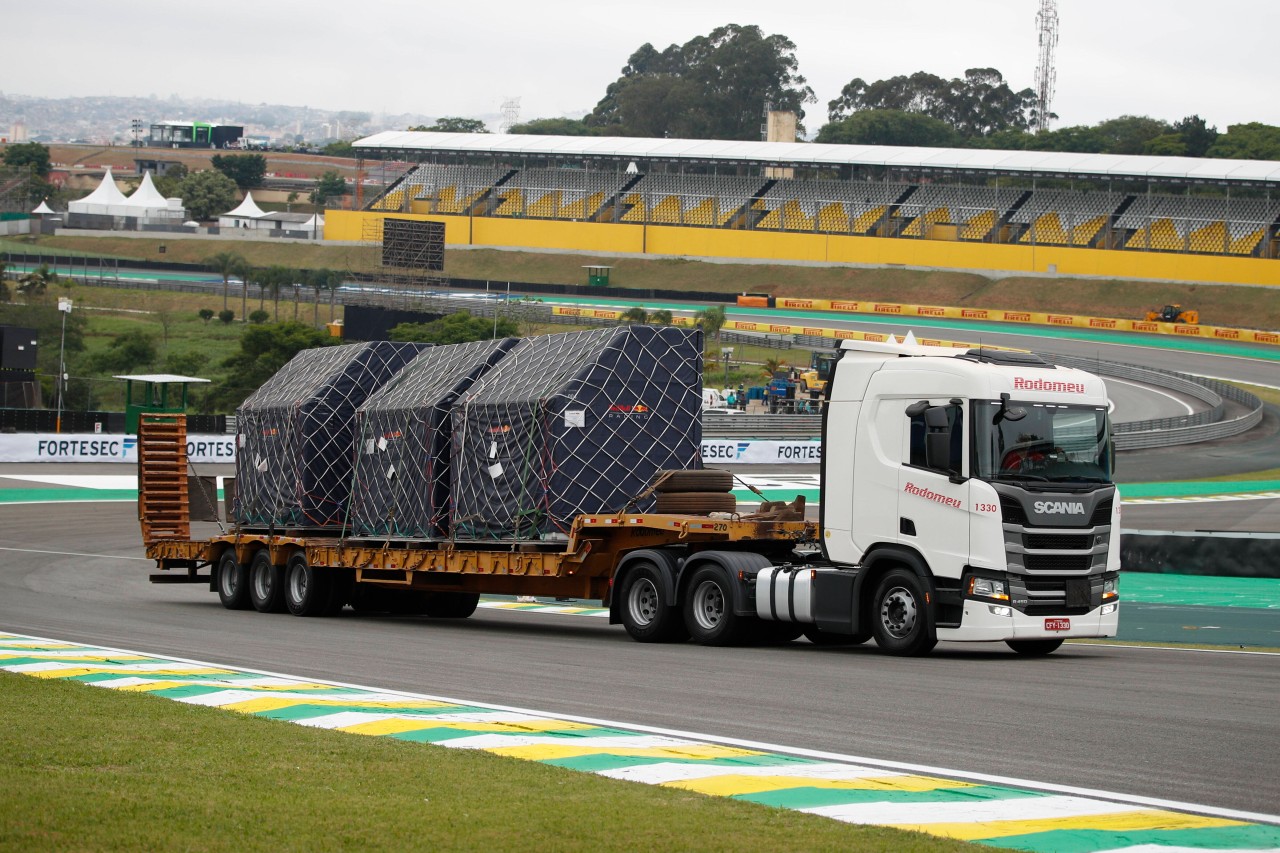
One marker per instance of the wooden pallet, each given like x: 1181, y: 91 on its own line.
x: 163, y: 505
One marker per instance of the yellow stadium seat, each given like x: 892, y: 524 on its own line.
x: 1247, y: 244
x: 1211, y: 239
x: 546, y: 206
x: 866, y: 220
x: 771, y: 221
x: 1085, y: 233
x: 832, y: 217
x: 666, y: 212
x: 704, y: 213
x: 979, y: 226
x: 447, y: 200
x: 638, y: 212
x: 512, y: 203
x: 1046, y: 229
x: 918, y: 226
x: 1161, y: 235
x: 794, y: 218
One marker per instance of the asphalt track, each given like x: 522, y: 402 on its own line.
x: 1183, y: 725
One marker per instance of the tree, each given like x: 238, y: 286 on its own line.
x: 1252, y: 141
x: 979, y: 104
x: 225, y: 316
x: 264, y: 349
x: 454, y: 124
x: 126, y: 353
x: 274, y: 279
x: 661, y: 317
x: 259, y: 317
x: 329, y: 185
x: 634, y: 314
x: 341, y: 148
x: 228, y: 265
x: 206, y: 194
x: 711, y: 87
x: 28, y: 155
x: 711, y: 320
x: 320, y: 280
x: 247, y: 170
x: 169, y: 185
x: 205, y: 314
x: 457, y: 328
x: 36, y: 283
x: 553, y: 127
x: 1129, y: 134
x: 890, y: 127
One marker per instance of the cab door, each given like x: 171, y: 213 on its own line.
x: 933, y: 511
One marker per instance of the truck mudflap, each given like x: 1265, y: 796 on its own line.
x: 985, y: 622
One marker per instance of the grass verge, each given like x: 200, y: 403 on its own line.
x: 101, y: 769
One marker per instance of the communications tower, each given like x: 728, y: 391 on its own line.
x: 1046, y: 73
x: 510, y: 114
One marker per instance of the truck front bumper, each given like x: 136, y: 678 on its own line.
x: 985, y: 622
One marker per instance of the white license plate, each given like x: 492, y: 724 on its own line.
x: 1057, y: 624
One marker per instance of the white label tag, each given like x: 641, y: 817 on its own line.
x: 240, y: 440
x: 391, y: 472
x: 575, y: 418
x: 382, y: 443
x: 495, y: 470
x: 493, y: 450
x: 260, y: 464
x: 368, y: 446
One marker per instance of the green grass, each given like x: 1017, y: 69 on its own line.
x: 98, y: 769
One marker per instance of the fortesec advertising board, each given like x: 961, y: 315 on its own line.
x: 89, y: 447
x: 205, y: 449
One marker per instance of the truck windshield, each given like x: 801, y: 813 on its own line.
x: 1053, y: 443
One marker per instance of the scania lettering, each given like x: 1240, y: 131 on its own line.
x: 966, y: 496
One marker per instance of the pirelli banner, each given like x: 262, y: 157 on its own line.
x: 1036, y: 318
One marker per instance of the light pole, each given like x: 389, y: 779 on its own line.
x: 726, y: 353
x: 64, y: 305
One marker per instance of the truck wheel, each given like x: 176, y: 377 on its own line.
x: 700, y: 480
x: 266, y: 584
x: 900, y: 621
x: 708, y: 610
x: 452, y: 605
x: 233, y: 582
x: 819, y: 637
x: 695, y: 503
x: 1034, y: 648
x: 646, y: 615
x: 306, y: 591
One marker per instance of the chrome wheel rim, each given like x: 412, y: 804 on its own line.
x: 642, y: 602
x: 708, y: 605
x: 898, y: 612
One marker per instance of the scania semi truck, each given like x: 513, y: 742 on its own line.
x: 966, y: 496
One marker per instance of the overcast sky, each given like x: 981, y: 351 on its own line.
x: 1115, y: 57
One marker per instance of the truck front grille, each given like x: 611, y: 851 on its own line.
x: 1058, y: 562
x: 1057, y: 541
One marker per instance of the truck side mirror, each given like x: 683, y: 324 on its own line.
x: 937, y: 450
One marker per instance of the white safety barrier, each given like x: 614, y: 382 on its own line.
x: 89, y: 447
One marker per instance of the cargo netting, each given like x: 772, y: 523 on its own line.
x: 403, y: 436
x: 295, y: 434
x: 573, y: 423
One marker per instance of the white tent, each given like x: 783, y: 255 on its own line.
x: 314, y: 225
x: 146, y: 202
x: 106, y: 199
x: 44, y: 208
x: 243, y: 215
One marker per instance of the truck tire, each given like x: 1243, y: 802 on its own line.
x: 700, y: 480
x: 1034, y: 648
x: 233, y: 582
x: 695, y: 503
x: 900, y: 620
x: 306, y: 591
x: 452, y: 605
x: 266, y: 584
x: 708, y: 610
x: 819, y: 637
x: 646, y: 614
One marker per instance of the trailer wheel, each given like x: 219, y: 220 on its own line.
x: 646, y: 615
x: 266, y: 584
x: 708, y: 610
x: 306, y: 591
x: 819, y: 637
x: 698, y: 480
x: 900, y: 623
x: 233, y: 582
x: 452, y: 605
x: 695, y: 503
x: 1034, y: 648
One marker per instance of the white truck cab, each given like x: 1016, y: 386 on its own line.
x: 966, y: 496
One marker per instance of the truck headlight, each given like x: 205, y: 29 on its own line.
x: 1110, y: 589
x: 988, y: 588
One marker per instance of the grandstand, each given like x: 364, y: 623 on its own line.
x: 919, y: 197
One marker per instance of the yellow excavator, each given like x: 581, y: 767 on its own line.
x: 1175, y: 314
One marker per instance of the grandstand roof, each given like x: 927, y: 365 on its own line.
x: 801, y: 154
